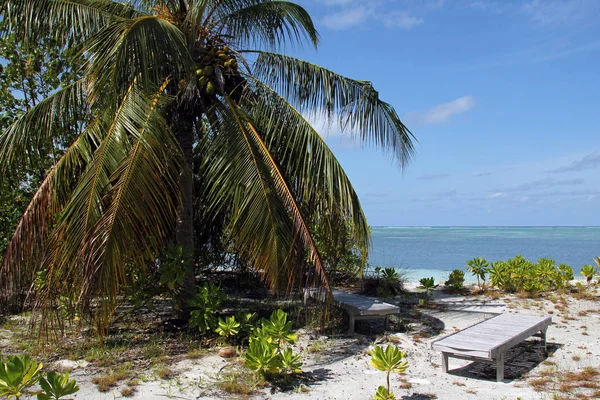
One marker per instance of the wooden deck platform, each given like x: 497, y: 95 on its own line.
x: 489, y: 340
x: 358, y: 307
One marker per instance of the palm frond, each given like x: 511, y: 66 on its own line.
x: 37, y: 128
x: 65, y: 20
x: 26, y: 249
x: 267, y: 224
x: 270, y: 23
x: 354, y: 104
x: 148, y: 49
x: 312, y: 169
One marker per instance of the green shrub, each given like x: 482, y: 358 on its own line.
x: 428, y: 285
x: 268, y: 352
x: 228, y: 327
x: 383, y: 282
x: 456, y: 280
x: 17, y: 374
x: 521, y: 275
x: 588, y: 271
x: 206, y: 304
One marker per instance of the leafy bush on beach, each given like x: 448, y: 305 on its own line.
x: 456, y: 281
x: 269, y: 353
x: 392, y: 359
x: 383, y: 282
x: 521, y: 275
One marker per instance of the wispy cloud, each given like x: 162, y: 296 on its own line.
x: 346, y: 14
x: 400, y: 19
x: 496, y: 195
x: 433, y: 177
x: 482, y: 174
x: 442, y: 113
x: 589, y: 161
x: 555, y: 13
x: 548, y: 183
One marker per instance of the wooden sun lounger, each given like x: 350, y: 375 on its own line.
x: 489, y: 340
x: 358, y: 307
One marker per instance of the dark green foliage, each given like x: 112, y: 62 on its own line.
x: 205, y: 305
x: 456, y: 280
x: 383, y: 282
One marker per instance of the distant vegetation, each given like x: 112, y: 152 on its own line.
x: 519, y: 275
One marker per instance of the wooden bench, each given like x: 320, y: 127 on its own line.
x: 358, y: 307
x: 488, y: 341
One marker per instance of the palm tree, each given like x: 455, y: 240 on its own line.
x: 175, y: 86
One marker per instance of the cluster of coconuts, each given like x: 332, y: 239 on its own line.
x: 211, y: 66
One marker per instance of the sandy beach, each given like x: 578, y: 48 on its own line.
x: 337, y: 367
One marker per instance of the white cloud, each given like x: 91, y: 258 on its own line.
x: 346, y: 14
x: 560, y: 12
x: 347, y: 18
x: 442, y: 113
x: 400, y: 19
x: 496, y: 195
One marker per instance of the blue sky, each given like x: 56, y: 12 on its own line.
x: 503, y: 97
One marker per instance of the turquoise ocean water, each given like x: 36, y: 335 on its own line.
x: 435, y: 251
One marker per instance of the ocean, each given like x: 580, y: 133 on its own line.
x: 435, y: 251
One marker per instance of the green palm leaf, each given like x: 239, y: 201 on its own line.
x: 354, y: 104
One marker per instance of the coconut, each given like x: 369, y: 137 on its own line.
x: 210, y: 88
x: 208, y: 70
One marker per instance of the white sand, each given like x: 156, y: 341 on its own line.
x: 341, y: 369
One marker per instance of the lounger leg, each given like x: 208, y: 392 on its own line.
x: 500, y: 368
x: 445, y: 363
x: 544, y: 341
x: 386, y: 323
x: 351, y: 327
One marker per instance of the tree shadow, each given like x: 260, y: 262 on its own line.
x: 312, y: 378
x: 520, y: 360
x: 418, y: 396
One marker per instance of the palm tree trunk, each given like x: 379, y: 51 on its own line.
x: 184, y: 234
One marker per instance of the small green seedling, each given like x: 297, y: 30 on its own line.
x: 228, y: 327
x: 56, y: 386
x: 389, y: 360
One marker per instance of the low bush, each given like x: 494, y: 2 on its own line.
x: 383, y: 282
x: 269, y: 353
x: 521, y: 275
x: 456, y: 281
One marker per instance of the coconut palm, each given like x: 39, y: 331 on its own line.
x: 175, y: 86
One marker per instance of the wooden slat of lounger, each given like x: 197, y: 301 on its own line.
x: 361, y: 305
x: 494, y: 335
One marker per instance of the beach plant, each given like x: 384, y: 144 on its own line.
x: 56, y: 386
x: 262, y: 357
x: 383, y: 394
x: 205, y: 304
x: 428, y: 285
x: 390, y: 275
x: 588, y: 272
x: 456, y: 280
x: 479, y: 268
x: 182, y: 94
x: 17, y: 374
x: 269, y: 353
x: 389, y: 360
x: 567, y: 272
x: 228, y: 327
